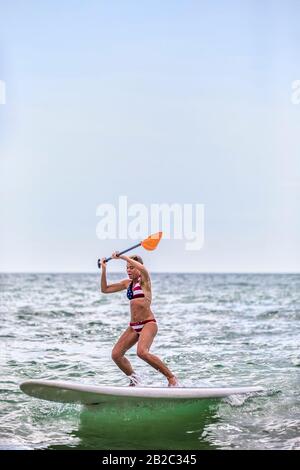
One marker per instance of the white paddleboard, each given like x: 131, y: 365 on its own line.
x: 68, y: 392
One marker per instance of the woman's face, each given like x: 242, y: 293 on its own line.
x: 133, y: 273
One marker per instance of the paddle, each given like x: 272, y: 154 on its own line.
x: 149, y: 244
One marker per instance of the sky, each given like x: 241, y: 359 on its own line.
x: 174, y: 102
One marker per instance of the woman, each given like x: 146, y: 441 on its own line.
x: 143, y: 327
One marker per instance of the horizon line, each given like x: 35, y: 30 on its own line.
x: 152, y: 272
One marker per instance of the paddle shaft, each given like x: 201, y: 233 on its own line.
x: 121, y: 253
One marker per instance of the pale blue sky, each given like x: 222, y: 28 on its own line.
x: 165, y: 102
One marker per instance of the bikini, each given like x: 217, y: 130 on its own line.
x: 136, y: 292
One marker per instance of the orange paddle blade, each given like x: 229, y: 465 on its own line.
x: 152, y: 241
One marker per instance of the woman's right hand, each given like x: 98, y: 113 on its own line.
x: 103, y: 263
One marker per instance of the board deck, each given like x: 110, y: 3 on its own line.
x: 68, y: 392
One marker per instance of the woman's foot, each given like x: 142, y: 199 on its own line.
x: 134, y: 380
x: 173, y: 382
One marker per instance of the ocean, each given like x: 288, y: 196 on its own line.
x: 214, y: 330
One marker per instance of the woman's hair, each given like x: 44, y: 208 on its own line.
x: 136, y: 258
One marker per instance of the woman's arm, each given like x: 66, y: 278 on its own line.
x: 116, y: 287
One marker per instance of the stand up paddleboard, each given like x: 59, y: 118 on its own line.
x: 68, y: 392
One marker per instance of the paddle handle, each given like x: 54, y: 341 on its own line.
x: 121, y: 253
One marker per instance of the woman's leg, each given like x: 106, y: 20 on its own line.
x: 128, y: 339
x: 146, y: 338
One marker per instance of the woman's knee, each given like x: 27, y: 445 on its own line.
x: 116, y: 355
x: 143, y: 353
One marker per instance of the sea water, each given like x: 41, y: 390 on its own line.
x: 214, y: 330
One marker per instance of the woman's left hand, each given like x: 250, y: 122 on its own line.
x: 115, y: 255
